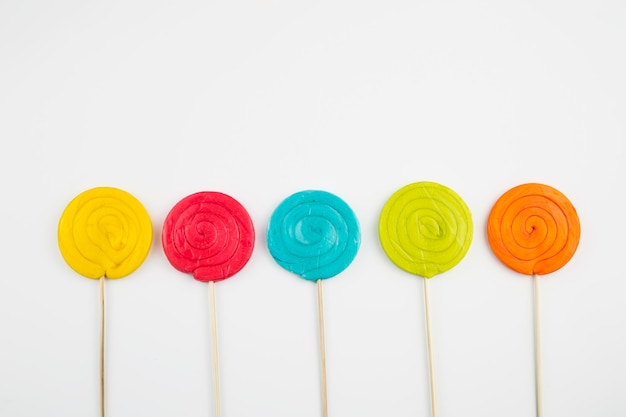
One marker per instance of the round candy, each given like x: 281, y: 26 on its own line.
x: 104, y: 232
x: 209, y: 234
x: 314, y: 234
x: 425, y: 228
x: 533, y: 229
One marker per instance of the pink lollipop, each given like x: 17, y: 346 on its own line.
x: 211, y: 235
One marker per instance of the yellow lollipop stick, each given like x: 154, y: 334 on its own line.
x: 104, y: 233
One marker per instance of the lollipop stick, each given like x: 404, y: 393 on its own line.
x: 216, y: 376
x: 537, y: 347
x: 431, y: 368
x: 320, y: 311
x: 102, y: 346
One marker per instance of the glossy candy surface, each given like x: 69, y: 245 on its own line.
x: 209, y: 234
x: 425, y: 228
x: 533, y: 229
x: 104, y: 231
x: 314, y: 234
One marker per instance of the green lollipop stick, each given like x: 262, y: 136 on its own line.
x: 425, y: 228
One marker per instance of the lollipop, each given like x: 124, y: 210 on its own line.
x: 104, y: 233
x: 315, y: 235
x: 534, y: 230
x: 425, y: 228
x: 210, y: 235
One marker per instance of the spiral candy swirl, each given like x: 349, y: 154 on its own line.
x: 314, y: 234
x: 425, y: 228
x: 104, y: 232
x: 209, y: 234
x: 533, y: 229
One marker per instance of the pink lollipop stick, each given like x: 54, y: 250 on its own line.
x: 210, y: 235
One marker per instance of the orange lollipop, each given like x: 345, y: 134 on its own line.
x: 533, y: 229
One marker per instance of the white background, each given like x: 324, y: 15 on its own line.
x: 263, y: 99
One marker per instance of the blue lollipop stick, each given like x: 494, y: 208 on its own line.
x: 315, y: 235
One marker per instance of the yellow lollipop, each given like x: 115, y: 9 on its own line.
x: 104, y: 232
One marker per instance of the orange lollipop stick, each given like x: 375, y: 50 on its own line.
x: 534, y: 230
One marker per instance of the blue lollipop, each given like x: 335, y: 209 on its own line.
x: 316, y: 235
